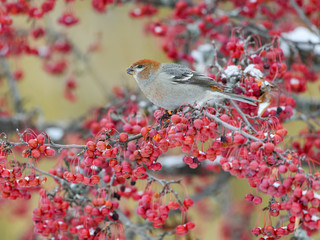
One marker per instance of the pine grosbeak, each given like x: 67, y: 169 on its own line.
x: 170, y: 85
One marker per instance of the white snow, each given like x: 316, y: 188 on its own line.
x: 4, y: 50
x: 231, y: 70
x: 43, y: 51
x: 137, y: 11
x: 303, y: 37
x: 276, y: 184
x: 172, y: 161
x: 252, y: 71
x: 55, y: 133
x: 158, y: 29
x: 91, y: 231
x: 203, y: 57
x: 294, y: 81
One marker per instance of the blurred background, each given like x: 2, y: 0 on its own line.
x: 119, y: 41
x: 116, y: 40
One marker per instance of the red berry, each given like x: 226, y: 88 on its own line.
x: 268, y: 148
x: 190, y: 225
x: 175, y: 118
x: 95, y: 179
x: 181, y: 230
x: 50, y: 152
x: 257, y: 200
x: 173, y: 205
x: 188, y: 202
x: 239, y: 139
x: 40, y: 139
x: 296, y: 208
x: 33, y: 143
x: 35, y: 153
x: 123, y: 137
x: 101, y: 146
x: 198, y: 123
x: 317, y: 143
x: 91, y: 146
x: 249, y: 197
x: 256, y: 231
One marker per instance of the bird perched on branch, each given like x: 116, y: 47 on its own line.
x: 170, y: 85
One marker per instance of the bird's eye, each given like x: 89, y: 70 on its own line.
x: 140, y: 66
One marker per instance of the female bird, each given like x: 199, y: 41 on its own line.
x: 170, y: 85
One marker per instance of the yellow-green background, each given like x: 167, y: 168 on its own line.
x: 123, y: 41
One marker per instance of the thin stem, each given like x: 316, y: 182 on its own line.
x: 138, y: 230
x: 233, y: 128
x: 304, y: 18
x: 166, y: 186
x: 242, y: 115
x: 17, y: 100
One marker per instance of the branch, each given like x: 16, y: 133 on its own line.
x: 242, y: 115
x: 79, y: 56
x: 138, y: 230
x: 62, y: 181
x: 166, y: 186
x: 232, y: 128
x: 16, y: 97
x: 304, y: 18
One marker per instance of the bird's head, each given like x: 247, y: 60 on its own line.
x: 142, y: 69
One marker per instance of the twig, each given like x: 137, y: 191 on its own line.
x: 62, y: 181
x: 232, y: 128
x: 242, y: 115
x: 138, y: 230
x: 79, y: 55
x: 304, y: 18
x: 54, y: 145
x: 17, y: 100
x: 166, y: 186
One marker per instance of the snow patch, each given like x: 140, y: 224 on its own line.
x: 230, y: 71
x: 203, y: 57
x: 55, y: 133
x: 302, y: 37
x: 172, y: 161
x: 43, y: 51
x: 294, y: 81
x: 276, y: 184
x: 252, y: 71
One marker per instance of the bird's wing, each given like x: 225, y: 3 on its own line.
x: 182, y: 74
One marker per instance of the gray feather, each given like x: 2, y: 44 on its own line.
x: 184, y: 75
x: 241, y: 98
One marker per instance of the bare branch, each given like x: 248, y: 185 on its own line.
x: 138, y: 230
x: 16, y: 97
x: 243, y: 115
x: 232, y: 128
x: 304, y: 18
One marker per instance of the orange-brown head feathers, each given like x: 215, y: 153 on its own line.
x: 143, y: 68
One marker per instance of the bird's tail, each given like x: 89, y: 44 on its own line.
x: 242, y: 98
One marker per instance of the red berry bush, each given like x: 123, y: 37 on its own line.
x: 115, y: 177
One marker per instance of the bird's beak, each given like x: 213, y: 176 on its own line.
x: 130, y: 70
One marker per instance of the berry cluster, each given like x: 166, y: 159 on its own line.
x: 37, y: 148
x: 10, y: 183
x: 111, y: 169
